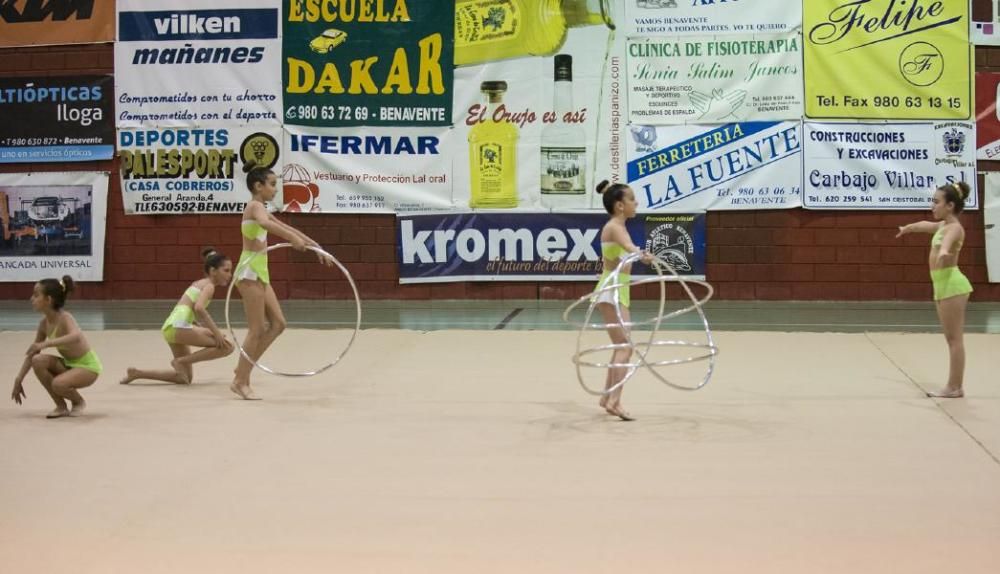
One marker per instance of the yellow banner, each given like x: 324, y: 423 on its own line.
x: 887, y: 59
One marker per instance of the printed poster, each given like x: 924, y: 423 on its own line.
x: 991, y: 217
x: 367, y: 169
x: 52, y: 224
x: 368, y: 63
x: 985, y: 29
x: 887, y: 59
x: 750, y: 165
x: 192, y: 170
x: 987, y: 116
x: 713, y: 80
x: 183, y: 63
x: 885, y: 166
x: 517, y: 246
x: 48, y: 22
x: 710, y: 17
x: 56, y: 118
x: 554, y: 128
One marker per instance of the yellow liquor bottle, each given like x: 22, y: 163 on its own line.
x: 490, y: 30
x: 493, y: 155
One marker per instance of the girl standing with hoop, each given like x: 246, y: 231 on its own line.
x: 620, y: 203
x: 61, y: 376
x: 252, y: 277
x: 189, y: 324
x: 951, y: 287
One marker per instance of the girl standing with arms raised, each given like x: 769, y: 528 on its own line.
x: 265, y: 320
x: 951, y: 287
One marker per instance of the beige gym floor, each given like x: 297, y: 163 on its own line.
x: 476, y: 451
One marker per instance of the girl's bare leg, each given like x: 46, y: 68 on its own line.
x: 951, y: 311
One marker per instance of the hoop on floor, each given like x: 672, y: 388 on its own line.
x: 262, y: 366
x: 610, y: 286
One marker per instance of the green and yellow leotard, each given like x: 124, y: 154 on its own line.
x: 89, y: 361
x: 256, y: 270
x: 948, y: 281
x: 612, y: 251
x: 182, y: 316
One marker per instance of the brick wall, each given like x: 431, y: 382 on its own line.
x: 768, y: 255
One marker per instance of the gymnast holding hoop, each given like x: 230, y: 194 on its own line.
x: 252, y: 277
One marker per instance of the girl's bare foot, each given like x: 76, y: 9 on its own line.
x: 129, y: 376
x: 59, y: 412
x: 617, y: 410
x: 78, y: 409
x: 243, y: 391
x: 947, y: 393
x: 181, y: 374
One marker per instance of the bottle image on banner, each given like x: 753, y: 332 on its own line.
x: 490, y: 30
x: 564, y: 148
x: 493, y: 155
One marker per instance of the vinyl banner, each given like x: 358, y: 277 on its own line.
x: 52, y: 225
x: 46, y: 22
x: 57, y: 118
x: 985, y: 29
x: 520, y: 246
x: 535, y: 132
x: 366, y: 169
x: 991, y: 218
x: 752, y: 165
x: 710, y: 17
x: 180, y: 63
x: 718, y: 79
x: 987, y: 116
x: 886, y: 166
x: 887, y: 59
x: 359, y: 62
x: 180, y: 170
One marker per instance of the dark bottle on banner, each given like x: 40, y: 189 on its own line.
x: 564, y: 149
x: 490, y: 30
x: 493, y: 155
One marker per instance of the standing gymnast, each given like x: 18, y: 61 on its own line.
x: 252, y: 277
x: 77, y: 365
x: 620, y: 203
x: 951, y: 287
x: 189, y: 324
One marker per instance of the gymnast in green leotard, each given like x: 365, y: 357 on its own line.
x: 951, y: 287
x: 190, y: 325
x: 265, y: 320
x: 77, y: 365
x: 619, y: 201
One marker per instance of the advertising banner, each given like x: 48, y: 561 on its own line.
x: 520, y: 246
x: 199, y: 170
x: 52, y: 224
x: 710, y: 17
x: 39, y: 23
x: 57, y: 118
x: 369, y: 63
x: 366, y: 169
x: 885, y: 166
x: 987, y: 116
x: 991, y: 218
x: 751, y: 165
x: 718, y: 79
x: 887, y: 59
x: 181, y: 63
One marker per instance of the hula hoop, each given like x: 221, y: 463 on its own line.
x: 262, y: 366
x: 641, y: 349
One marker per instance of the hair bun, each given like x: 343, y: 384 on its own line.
x: 601, y: 187
x: 249, y: 165
x: 67, y: 284
x: 208, y: 252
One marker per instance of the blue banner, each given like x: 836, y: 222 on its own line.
x: 218, y: 24
x: 492, y: 246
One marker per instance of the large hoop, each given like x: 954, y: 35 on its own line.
x: 262, y: 366
x: 641, y: 349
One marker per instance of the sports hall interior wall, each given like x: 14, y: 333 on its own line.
x: 792, y: 254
